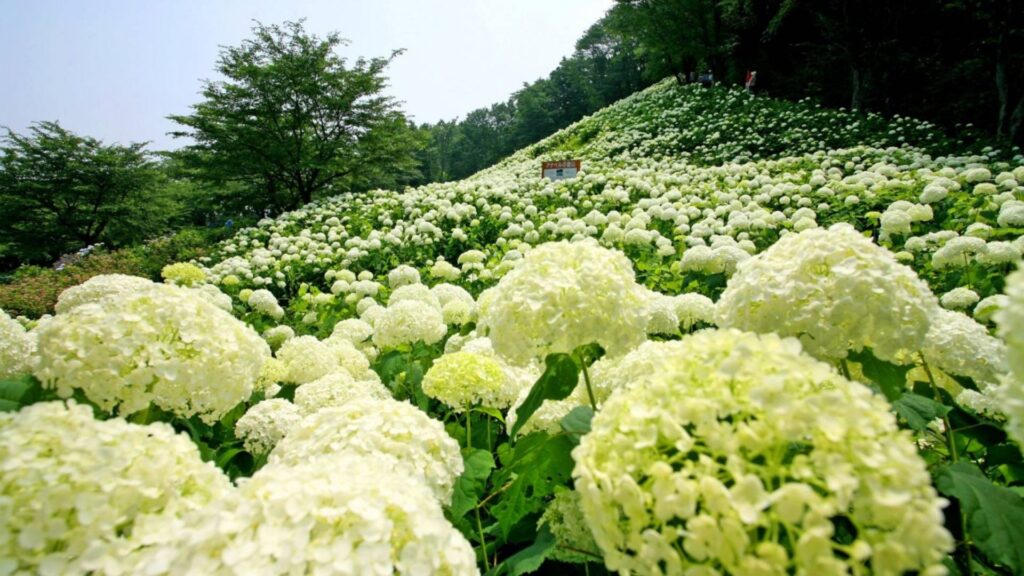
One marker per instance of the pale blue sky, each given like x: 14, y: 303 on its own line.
x: 114, y: 69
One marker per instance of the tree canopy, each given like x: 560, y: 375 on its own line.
x: 292, y: 119
x: 60, y: 191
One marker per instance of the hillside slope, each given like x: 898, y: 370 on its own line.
x: 665, y: 170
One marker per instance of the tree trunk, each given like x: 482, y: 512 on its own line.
x: 1003, y: 91
x: 857, y: 81
x: 1016, y: 135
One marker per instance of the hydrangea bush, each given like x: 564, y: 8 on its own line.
x: 750, y: 337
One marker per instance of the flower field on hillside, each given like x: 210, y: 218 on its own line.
x: 751, y: 337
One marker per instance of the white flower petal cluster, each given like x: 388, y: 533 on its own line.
x: 72, y: 488
x: 465, y: 379
x: 342, y: 514
x: 693, y: 309
x: 835, y: 290
x: 263, y: 425
x: 748, y: 468
x: 336, y: 389
x: 959, y: 298
x: 1010, y: 320
x: 958, y: 345
x: 17, y: 347
x: 306, y: 359
x: 389, y: 427
x: 563, y: 295
x: 162, y: 344
x: 99, y: 288
x: 264, y: 302
x: 408, y: 322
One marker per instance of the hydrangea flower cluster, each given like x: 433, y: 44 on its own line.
x: 396, y: 429
x: 183, y: 274
x: 72, y: 488
x: 835, y: 290
x: 336, y: 389
x: 99, y: 288
x: 465, y: 379
x: 563, y: 295
x: 766, y: 462
x: 162, y: 344
x: 265, y: 424
x: 301, y: 519
x: 408, y: 322
x: 1011, y: 328
x: 17, y: 347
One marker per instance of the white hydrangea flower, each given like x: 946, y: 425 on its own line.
x: 835, y: 290
x: 74, y: 488
x: 693, y: 309
x: 302, y: 520
x: 661, y: 314
x: 368, y: 426
x: 403, y: 276
x: 353, y: 330
x: 959, y: 298
x: 563, y: 295
x: 958, y: 345
x: 263, y: 425
x: 1010, y: 320
x: 465, y: 379
x: 264, y: 302
x: 336, y: 389
x: 98, y: 288
x: 692, y: 467
x: 407, y: 322
x: 305, y: 359
x: 415, y: 293
x: 17, y: 347
x: 278, y: 335
x: 163, y: 345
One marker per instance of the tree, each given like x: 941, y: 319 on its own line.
x: 292, y: 119
x: 60, y: 192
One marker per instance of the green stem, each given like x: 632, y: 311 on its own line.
x: 951, y: 443
x: 483, y: 541
x: 469, y: 429
x: 586, y: 379
x: 845, y: 368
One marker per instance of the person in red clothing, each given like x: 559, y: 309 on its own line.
x: 750, y: 80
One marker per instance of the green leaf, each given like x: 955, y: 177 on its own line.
x: 471, y: 484
x: 577, y: 422
x: 889, y: 377
x: 539, y: 464
x: 492, y: 412
x: 995, y: 514
x: 918, y: 410
x: 528, y: 559
x: 556, y: 383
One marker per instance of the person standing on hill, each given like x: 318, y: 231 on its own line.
x: 750, y: 80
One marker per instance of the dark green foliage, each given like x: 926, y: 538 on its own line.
x: 60, y: 192
x: 292, y: 120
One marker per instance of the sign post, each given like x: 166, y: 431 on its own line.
x: 561, y: 170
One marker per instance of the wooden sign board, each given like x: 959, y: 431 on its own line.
x: 561, y: 170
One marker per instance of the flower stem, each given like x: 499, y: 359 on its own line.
x: 586, y: 379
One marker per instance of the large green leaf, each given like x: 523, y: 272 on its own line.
x: 560, y: 377
x: 918, y: 410
x: 538, y: 465
x: 995, y: 514
x: 528, y: 559
x: 890, y: 378
x: 473, y: 481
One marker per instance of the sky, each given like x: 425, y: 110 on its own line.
x: 114, y: 69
